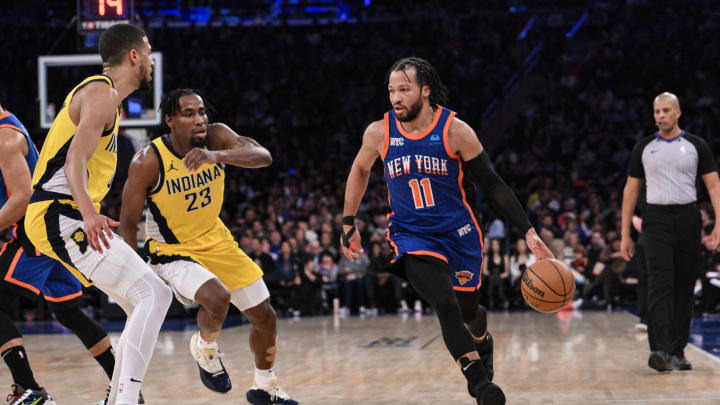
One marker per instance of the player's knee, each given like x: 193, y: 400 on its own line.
x: 218, y: 304
x: 263, y: 316
x: 478, y: 324
x: 446, y: 305
x: 10, y: 335
x: 87, y: 330
x: 155, y: 290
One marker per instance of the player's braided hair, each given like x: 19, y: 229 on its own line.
x: 170, y: 104
x: 426, y: 75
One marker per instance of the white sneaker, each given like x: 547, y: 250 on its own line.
x: 641, y: 328
x: 272, y: 394
x: 212, y: 372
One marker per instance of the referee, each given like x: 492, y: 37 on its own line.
x: 669, y: 162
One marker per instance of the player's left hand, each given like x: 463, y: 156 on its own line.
x: 353, y: 248
x: 715, y: 238
x: 198, y: 157
x: 537, y: 246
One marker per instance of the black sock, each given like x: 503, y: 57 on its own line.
x: 106, y: 360
x: 475, y: 374
x: 17, y: 361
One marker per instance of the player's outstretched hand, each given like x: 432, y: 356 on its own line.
x: 537, y: 246
x: 198, y: 157
x: 352, y: 247
x: 97, y: 228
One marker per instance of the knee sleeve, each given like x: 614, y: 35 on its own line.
x: 89, y: 332
x: 478, y: 326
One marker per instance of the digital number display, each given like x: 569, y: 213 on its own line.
x: 99, y: 15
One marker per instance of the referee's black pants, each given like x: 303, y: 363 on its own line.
x: 671, y: 240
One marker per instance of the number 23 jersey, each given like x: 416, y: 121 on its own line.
x: 425, y: 178
x: 183, y: 205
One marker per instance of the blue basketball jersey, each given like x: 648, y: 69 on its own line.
x: 9, y: 120
x: 425, y: 179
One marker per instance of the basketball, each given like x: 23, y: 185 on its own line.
x: 548, y: 285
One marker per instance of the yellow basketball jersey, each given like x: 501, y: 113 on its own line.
x: 49, y: 180
x: 183, y: 205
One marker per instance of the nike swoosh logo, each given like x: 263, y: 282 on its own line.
x: 468, y: 366
x: 134, y: 380
x: 653, y: 151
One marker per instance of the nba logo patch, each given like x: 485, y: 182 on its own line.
x: 121, y: 388
x: 464, y: 276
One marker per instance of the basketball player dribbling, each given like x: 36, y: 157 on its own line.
x: 182, y: 178
x: 73, y: 174
x: 25, y: 273
x: 427, y: 154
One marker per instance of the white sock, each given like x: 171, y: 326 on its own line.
x: 264, y: 378
x: 205, y: 345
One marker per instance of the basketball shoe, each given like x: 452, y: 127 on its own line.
x: 479, y: 387
x: 21, y: 396
x: 272, y: 395
x: 212, y: 372
x: 141, y: 400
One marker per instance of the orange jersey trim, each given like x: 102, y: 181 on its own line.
x: 457, y: 157
x: 392, y: 243
x: 421, y: 135
x: 446, y: 142
x: 386, y: 135
x: 65, y: 298
x: 8, y: 276
x: 429, y: 253
x: 457, y: 288
x: 5, y: 115
x: 12, y: 126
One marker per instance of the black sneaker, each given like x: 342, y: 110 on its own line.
x: 680, y: 363
x: 491, y: 394
x: 659, y: 361
x: 485, y: 350
x: 479, y: 387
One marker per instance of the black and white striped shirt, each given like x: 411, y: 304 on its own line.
x: 670, y: 167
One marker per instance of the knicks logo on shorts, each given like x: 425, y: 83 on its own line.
x: 80, y: 239
x: 464, y: 276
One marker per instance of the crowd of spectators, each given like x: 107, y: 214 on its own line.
x: 307, y: 93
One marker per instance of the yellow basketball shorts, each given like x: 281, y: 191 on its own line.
x: 216, y: 251
x: 56, y: 229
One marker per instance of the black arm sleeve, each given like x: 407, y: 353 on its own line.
x: 499, y: 195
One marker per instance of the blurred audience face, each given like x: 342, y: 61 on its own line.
x: 285, y: 249
x: 275, y: 238
x: 313, y: 248
x: 495, y: 245
x: 521, y: 246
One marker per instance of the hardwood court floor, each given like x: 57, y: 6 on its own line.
x: 571, y: 358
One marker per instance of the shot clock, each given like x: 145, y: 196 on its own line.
x: 99, y: 15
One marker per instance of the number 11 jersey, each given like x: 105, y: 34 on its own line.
x: 183, y: 205
x: 425, y: 179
